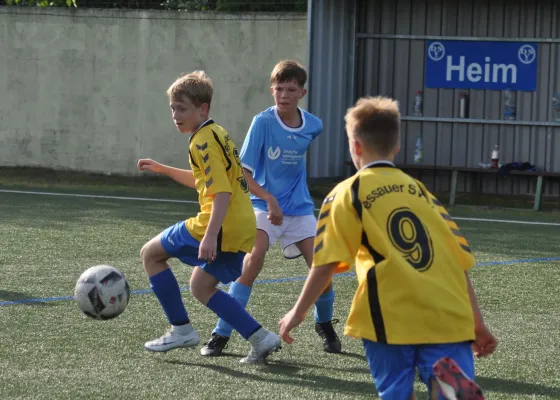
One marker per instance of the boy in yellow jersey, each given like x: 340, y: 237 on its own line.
x: 217, y: 239
x: 414, y: 304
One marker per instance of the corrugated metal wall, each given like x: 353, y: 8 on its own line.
x: 331, y: 81
x: 390, y: 60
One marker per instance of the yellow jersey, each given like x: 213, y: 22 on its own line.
x: 410, y: 258
x: 217, y: 168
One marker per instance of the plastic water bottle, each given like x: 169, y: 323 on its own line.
x: 419, y: 152
x: 495, y: 160
x: 510, y: 104
x: 556, y: 107
x: 418, y: 104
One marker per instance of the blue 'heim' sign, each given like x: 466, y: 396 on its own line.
x: 481, y: 65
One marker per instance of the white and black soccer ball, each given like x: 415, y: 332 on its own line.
x: 102, y: 292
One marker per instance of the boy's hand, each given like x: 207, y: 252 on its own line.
x: 208, y: 247
x: 147, y: 164
x: 287, y: 323
x: 274, y: 211
x: 485, y: 343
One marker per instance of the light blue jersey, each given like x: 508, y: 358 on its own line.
x: 275, y: 153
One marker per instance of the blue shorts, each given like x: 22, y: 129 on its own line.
x: 178, y: 243
x: 393, y: 367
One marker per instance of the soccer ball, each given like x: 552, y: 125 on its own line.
x: 102, y: 292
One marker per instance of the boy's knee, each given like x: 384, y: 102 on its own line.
x: 198, y: 292
x: 148, y: 251
x: 202, y: 290
x: 144, y: 253
x: 252, y: 267
x: 255, y: 260
x: 151, y: 253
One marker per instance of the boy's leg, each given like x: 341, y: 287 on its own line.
x: 392, y: 368
x: 164, y: 284
x: 453, y: 365
x: 203, y: 287
x: 241, y: 289
x: 324, y: 306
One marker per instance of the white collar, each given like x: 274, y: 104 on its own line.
x: 387, y: 162
x: 289, y: 128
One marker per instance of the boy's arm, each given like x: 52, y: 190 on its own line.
x: 485, y: 343
x: 317, y: 280
x: 274, y: 211
x: 478, y: 320
x: 254, y: 187
x: 209, y: 244
x: 183, y: 176
x: 336, y: 245
x: 250, y: 156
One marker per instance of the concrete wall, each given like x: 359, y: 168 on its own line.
x: 85, y: 89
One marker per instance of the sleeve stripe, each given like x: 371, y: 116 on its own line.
x: 355, y: 199
x: 209, y: 182
x: 446, y: 217
x: 318, y: 247
x: 457, y: 232
x: 324, y: 214
x: 216, y: 137
x: 207, y: 170
x: 248, y: 167
x: 321, y: 230
x: 205, y: 158
x: 192, y: 159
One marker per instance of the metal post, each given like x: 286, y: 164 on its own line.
x: 538, y: 194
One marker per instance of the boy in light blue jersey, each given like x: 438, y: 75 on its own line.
x: 273, y: 157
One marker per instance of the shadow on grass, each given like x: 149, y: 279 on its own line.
x: 291, y: 371
x: 22, y: 298
x: 515, y: 387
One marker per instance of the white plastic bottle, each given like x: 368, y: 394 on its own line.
x: 510, y: 100
x: 495, y: 161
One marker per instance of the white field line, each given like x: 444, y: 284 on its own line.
x: 94, y: 196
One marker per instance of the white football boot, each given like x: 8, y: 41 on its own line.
x: 263, y: 343
x: 178, y: 336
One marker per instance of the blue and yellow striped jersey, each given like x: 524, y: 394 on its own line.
x: 216, y: 167
x: 410, y: 258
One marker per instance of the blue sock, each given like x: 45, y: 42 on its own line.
x: 228, y: 309
x: 324, y: 307
x: 167, y: 291
x: 241, y: 293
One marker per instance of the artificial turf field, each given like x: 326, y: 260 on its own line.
x: 50, y: 350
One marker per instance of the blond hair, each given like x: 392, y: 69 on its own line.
x: 196, y: 86
x: 288, y: 70
x: 376, y: 120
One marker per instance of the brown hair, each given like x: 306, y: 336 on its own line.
x: 196, y: 86
x: 376, y: 120
x: 288, y: 70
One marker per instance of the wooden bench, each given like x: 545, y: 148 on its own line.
x: 476, y: 174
